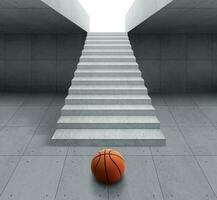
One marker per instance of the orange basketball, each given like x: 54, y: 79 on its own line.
x: 108, y: 166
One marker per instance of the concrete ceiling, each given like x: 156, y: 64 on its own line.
x: 182, y: 16
x: 33, y: 16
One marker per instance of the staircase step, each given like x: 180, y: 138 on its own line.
x: 107, y: 42
x: 108, y: 102
x: 108, y: 110
x: 107, y: 46
x: 111, y: 137
x: 95, y: 73
x: 104, y: 58
x: 107, y: 52
x: 107, y: 81
x: 132, y: 70
x: 74, y: 89
x: 103, y: 37
x: 107, y: 65
x: 108, y: 99
x: 107, y: 34
x: 111, y: 122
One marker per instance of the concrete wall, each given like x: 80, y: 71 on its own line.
x: 141, y: 10
x: 72, y: 10
x: 37, y: 62
x: 177, y: 63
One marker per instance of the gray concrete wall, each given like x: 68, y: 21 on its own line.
x: 177, y: 63
x: 142, y: 10
x: 71, y: 9
x: 38, y: 62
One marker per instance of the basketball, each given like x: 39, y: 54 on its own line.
x: 108, y: 166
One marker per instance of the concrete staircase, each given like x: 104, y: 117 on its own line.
x: 107, y: 102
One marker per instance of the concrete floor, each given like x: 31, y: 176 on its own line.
x: 32, y: 167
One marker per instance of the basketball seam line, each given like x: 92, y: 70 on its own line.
x: 97, y: 163
x: 108, y: 154
x: 106, y: 173
x: 115, y: 165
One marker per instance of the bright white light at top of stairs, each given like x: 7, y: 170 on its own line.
x: 107, y: 15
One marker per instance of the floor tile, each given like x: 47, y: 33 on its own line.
x: 123, y: 150
x: 6, y: 113
x: 84, y: 150
x: 15, y: 139
x: 211, y: 113
x: 38, y: 100
x: 175, y: 143
x: 205, y: 99
x: 51, y: 116
x: 28, y: 116
x: 77, y: 181
x: 189, y: 116
x: 36, y: 177
x: 157, y: 100
x: 42, y: 144
x: 164, y: 116
x: 12, y: 99
x: 181, y: 178
x: 7, y: 166
x: 179, y: 100
x: 131, y: 151
x: 208, y: 164
x: 140, y: 181
x: 58, y: 99
x: 202, y: 140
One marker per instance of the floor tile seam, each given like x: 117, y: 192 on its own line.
x: 6, y: 94
x: 198, y: 105
x: 210, y: 121
x: 29, y: 155
x: 189, y: 126
x: 11, y: 175
x: 161, y: 96
x: 157, y: 176
x: 71, y: 155
x: 23, y: 103
x: 18, y: 108
x: 61, y: 174
x: 35, y: 131
x: 205, y: 176
x: 179, y: 129
x: 194, y: 157
x: 26, y: 106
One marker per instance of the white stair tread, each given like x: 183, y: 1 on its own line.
x: 108, y: 63
x: 107, y: 56
x: 104, y: 40
x: 109, y: 134
x: 108, y: 97
x: 107, y: 45
x: 108, y: 119
x: 89, y: 35
x: 107, y: 71
x: 110, y: 87
x: 107, y: 79
x: 108, y: 107
x: 108, y: 50
x: 107, y: 34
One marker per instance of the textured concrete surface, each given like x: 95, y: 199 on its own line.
x: 141, y: 10
x: 92, y: 123
x: 180, y: 16
x: 72, y: 10
x: 174, y: 63
x: 34, y: 16
x: 38, y: 62
x: 44, y: 62
x: 33, y: 167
